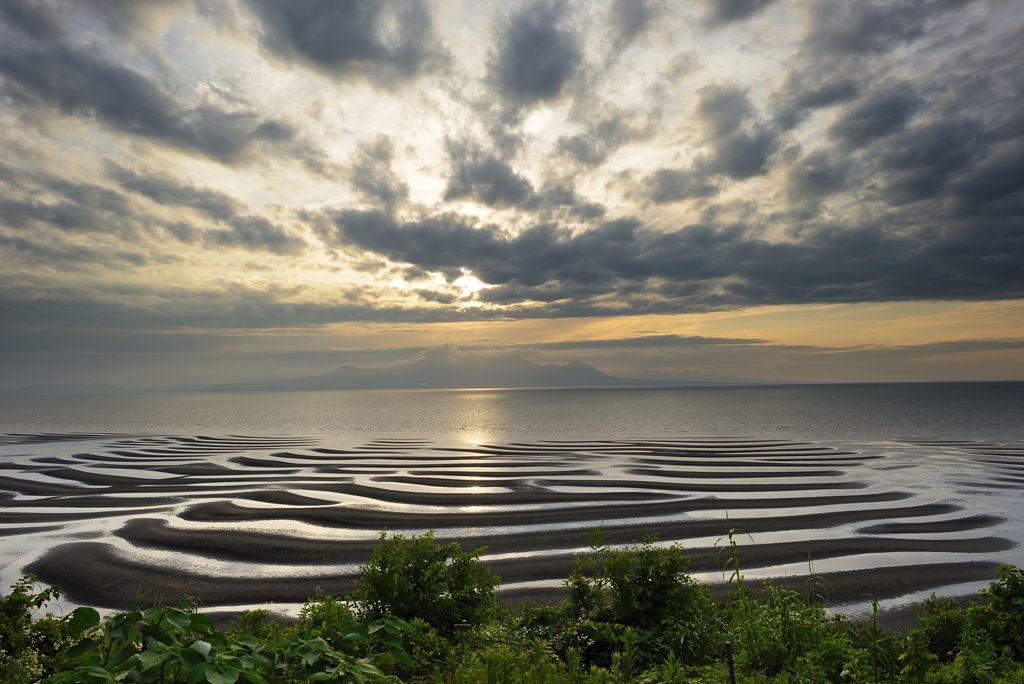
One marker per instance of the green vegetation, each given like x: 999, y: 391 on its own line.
x: 424, y: 612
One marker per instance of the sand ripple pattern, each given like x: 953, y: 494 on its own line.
x: 243, y: 520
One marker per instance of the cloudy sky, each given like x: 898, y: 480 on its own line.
x: 219, y: 190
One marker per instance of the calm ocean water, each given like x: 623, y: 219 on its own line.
x: 870, y: 411
x: 896, y: 490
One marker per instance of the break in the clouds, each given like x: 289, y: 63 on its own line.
x: 262, y: 163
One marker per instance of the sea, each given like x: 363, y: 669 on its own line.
x: 890, y: 491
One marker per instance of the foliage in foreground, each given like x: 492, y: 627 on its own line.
x: 632, y: 615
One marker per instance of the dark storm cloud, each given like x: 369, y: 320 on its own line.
x: 816, y: 174
x: 537, y: 53
x: 740, y: 144
x: 805, y: 90
x: 919, y: 163
x: 829, y: 67
x: 385, y: 42
x: 719, y: 12
x: 483, y: 177
x: 879, y: 113
x: 698, y: 267
x: 371, y: 175
x: 995, y: 185
x: 79, y: 80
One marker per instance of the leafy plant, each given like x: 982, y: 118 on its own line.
x: 29, y: 648
x: 422, y: 579
x: 1005, y: 599
x: 161, y: 645
x: 643, y: 588
x: 941, y: 619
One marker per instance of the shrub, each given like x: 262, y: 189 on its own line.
x: 326, y: 617
x: 777, y: 628
x: 29, y: 648
x: 1005, y: 599
x: 441, y: 585
x: 644, y: 588
x: 941, y: 620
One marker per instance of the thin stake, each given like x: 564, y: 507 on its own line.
x: 728, y: 659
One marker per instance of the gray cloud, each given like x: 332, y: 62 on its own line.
x: 879, y: 113
x: 602, y: 136
x: 255, y: 233
x: 80, y: 81
x: 631, y: 19
x: 175, y: 192
x: 694, y: 268
x: 135, y: 17
x: 807, y: 88
x: 643, y: 342
x: 536, y: 54
x: 371, y: 175
x: 483, y: 177
x: 871, y: 27
x: 40, y: 20
x: 238, y: 228
x: 915, y: 190
x: 385, y: 42
x: 816, y: 174
x: 740, y: 144
x: 674, y: 185
x: 719, y: 12
x: 32, y: 206
x: 919, y: 163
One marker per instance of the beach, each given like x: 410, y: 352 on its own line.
x: 240, y: 522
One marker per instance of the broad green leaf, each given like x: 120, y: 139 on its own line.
x: 180, y: 620
x: 80, y: 648
x: 148, y: 659
x: 254, y: 677
x: 250, y: 642
x: 197, y: 673
x: 202, y: 647
x: 218, y: 676
x: 192, y: 657
x: 81, y: 619
x: 356, y: 633
x: 202, y: 624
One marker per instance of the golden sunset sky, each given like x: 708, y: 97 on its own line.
x: 209, y: 191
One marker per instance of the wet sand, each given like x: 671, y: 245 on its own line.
x: 167, y: 515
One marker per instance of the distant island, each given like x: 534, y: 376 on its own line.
x: 443, y: 369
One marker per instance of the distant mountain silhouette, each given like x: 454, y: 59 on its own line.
x: 440, y: 371
x: 437, y: 368
x: 71, y: 388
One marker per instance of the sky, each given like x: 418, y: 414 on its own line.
x: 772, y: 190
